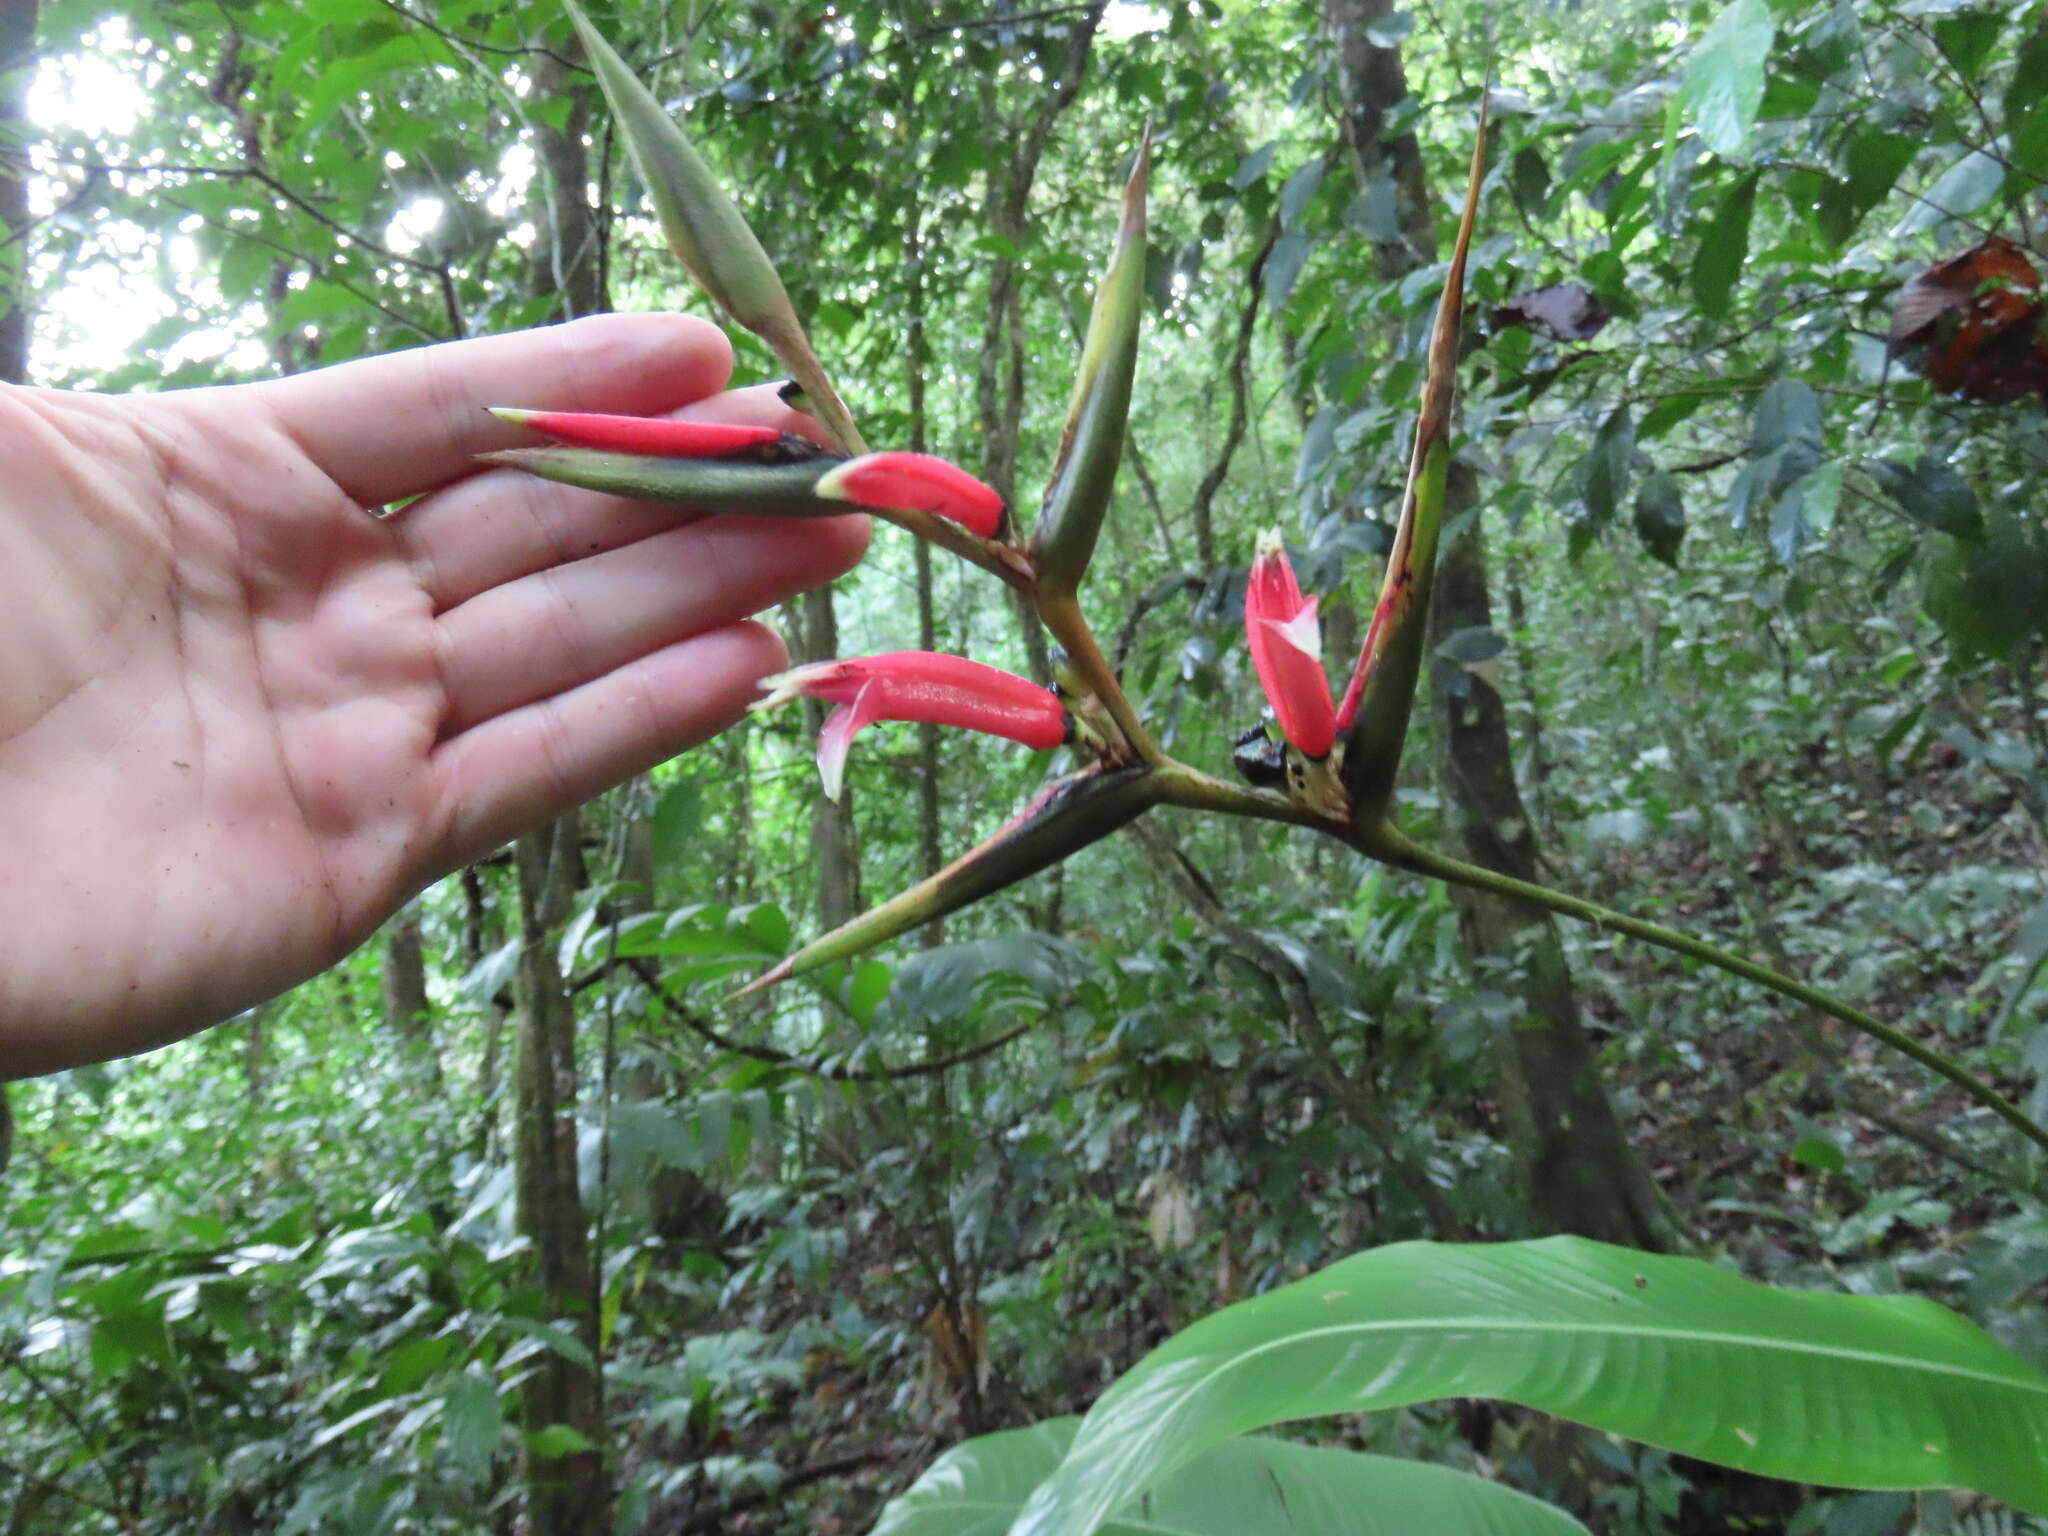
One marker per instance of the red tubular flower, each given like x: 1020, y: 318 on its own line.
x: 921, y: 686
x: 1287, y: 650
x: 655, y: 436
x: 916, y: 482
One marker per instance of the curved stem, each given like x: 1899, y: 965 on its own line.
x: 999, y: 560
x: 1193, y: 790
x: 1390, y: 846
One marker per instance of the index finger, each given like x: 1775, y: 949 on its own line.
x: 396, y: 426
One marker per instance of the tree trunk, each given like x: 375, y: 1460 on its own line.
x: 930, y: 855
x: 406, y: 1011
x: 834, y: 853
x: 999, y: 373
x: 566, y: 1495
x: 1578, y: 1171
x: 569, y: 1494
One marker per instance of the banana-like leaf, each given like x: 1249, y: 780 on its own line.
x: 1069, y: 815
x: 707, y: 231
x: 1372, y: 720
x: 1084, y: 475
x: 706, y: 485
x: 1246, y: 1487
x: 1881, y: 1392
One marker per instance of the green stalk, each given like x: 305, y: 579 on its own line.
x: 1063, y: 620
x: 1391, y: 847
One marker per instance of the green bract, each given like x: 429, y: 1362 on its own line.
x: 1092, y: 444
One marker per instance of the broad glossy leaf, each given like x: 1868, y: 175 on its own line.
x: 1247, y: 1487
x: 1991, y: 594
x: 1853, y: 1391
x: 1660, y: 516
x: 1964, y: 187
x: 1723, y: 248
x: 1724, y: 78
x: 1932, y: 494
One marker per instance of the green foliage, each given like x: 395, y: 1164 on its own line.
x: 1724, y: 77
x: 1236, y: 1486
x: 1852, y: 1391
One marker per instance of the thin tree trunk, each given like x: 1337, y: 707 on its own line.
x: 834, y: 853
x: 566, y: 1495
x: 479, y: 938
x: 1575, y: 1164
x: 407, y: 1013
x: 930, y: 857
x: 1578, y: 1171
x: 999, y: 380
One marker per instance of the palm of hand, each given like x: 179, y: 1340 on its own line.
x: 244, y: 717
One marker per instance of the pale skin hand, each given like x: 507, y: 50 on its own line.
x: 242, y: 717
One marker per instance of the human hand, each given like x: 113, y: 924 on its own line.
x: 242, y: 717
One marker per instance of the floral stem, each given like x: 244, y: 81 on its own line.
x: 1062, y: 618
x: 1194, y: 790
x: 1390, y: 846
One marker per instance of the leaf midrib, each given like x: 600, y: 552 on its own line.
x: 1630, y: 1330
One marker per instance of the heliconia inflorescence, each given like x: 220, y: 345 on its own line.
x: 923, y: 686
x: 1287, y: 650
x: 731, y: 467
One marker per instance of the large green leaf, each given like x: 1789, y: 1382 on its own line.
x: 1853, y: 1391
x: 1723, y: 249
x: 1246, y: 1487
x: 1724, y: 78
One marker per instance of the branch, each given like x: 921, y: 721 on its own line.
x: 1391, y: 847
x: 1162, y: 591
x: 705, y: 1030
x: 1240, y: 354
x: 711, y: 1520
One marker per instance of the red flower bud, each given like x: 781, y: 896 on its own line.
x: 921, y: 686
x: 916, y: 482
x: 1287, y: 650
x: 655, y: 436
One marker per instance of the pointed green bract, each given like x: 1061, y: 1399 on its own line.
x: 1084, y: 477
x: 1075, y: 811
x: 707, y: 231
x: 1376, y: 706
x: 704, y: 485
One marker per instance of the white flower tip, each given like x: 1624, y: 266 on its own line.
x: 1302, y: 631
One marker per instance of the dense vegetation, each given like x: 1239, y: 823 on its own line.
x: 516, y: 1215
